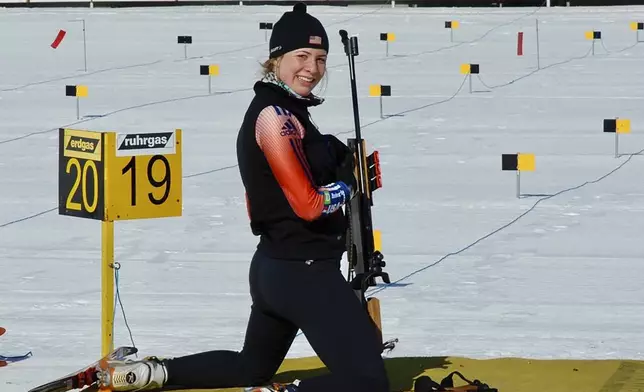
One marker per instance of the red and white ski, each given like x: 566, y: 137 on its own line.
x: 85, y: 376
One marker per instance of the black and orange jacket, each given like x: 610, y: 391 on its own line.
x: 283, y: 180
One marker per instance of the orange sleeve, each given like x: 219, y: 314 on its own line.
x: 279, y: 135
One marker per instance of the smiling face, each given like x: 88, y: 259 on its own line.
x: 302, y: 69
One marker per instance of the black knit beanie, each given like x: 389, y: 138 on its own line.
x: 295, y: 30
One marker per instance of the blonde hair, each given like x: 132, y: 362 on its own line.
x: 269, y: 66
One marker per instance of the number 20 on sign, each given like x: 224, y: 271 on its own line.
x: 109, y: 176
x: 81, y: 174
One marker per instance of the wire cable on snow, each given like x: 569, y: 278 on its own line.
x: 478, y: 76
x: 608, y: 52
x: 409, y: 110
x: 117, y: 299
x: 513, y: 221
x: 588, y: 54
x: 28, y: 217
x: 138, y: 106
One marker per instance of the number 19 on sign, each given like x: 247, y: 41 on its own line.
x: 165, y: 182
x: 146, y: 168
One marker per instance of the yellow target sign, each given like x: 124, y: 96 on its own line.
x: 109, y: 176
x: 144, y: 171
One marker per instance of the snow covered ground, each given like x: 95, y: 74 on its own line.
x: 563, y: 281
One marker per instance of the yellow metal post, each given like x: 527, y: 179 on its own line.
x: 107, y: 286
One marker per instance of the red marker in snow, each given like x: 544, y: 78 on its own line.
x: 59, y: 38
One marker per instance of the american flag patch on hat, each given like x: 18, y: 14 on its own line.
x: 314, y: 39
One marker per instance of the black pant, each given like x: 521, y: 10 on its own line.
x: 287, y: 296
